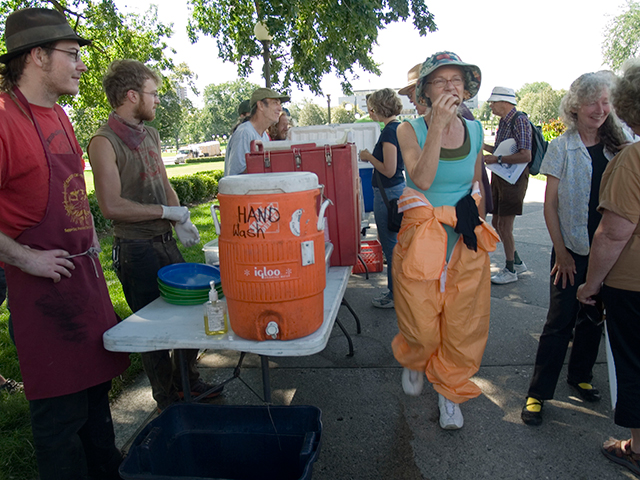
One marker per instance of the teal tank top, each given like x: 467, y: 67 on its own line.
x: 454, y: 176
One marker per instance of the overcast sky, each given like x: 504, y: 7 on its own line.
x: 513, y: 43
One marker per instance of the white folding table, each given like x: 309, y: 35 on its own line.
x: 163, y: 326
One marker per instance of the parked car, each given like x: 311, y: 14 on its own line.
x: 182, y: 155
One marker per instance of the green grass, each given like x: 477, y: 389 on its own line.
x: 17, y: 458
x: 172, y: 171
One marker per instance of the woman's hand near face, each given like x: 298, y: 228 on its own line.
x: 444, y: 110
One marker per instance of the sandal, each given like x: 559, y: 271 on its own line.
x: 621, y: 454
x: 532, y: 412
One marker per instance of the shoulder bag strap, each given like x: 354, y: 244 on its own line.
x: 381, y: 188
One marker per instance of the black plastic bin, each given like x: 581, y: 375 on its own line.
x: 196, y: 441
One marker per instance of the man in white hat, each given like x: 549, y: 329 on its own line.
x: 508, y: 199
x: 266, y: 105
x: 60, y: 305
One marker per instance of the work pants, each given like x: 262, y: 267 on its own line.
x: 137, y: 263
x: 73, y: 436
x: 444, y: 333
x: 623, y: 327
x: 563, y: 321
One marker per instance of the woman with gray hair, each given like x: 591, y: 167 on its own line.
x: 388, y: 177
x: 614, y: 270
x: 574, y: 164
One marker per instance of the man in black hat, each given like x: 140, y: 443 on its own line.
x: 244, y: 111
x: 266, y: 105
x: 60, y: 305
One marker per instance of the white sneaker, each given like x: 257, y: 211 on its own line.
x: 504, y: 276
x: 450, y: 414
x: 385, y: 301
x: 382, y: 295
x: 520, y: 268
x: 412, y: 382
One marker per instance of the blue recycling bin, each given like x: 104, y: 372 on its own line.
x: 226, y: 442
x: 366, y: 174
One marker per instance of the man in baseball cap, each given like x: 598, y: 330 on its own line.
x: 266, y: 105
x: 244, y: 110
x: 60, y: 305
x: 508, y: 199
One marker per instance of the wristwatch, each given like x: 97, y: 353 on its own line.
x: 499, y: 159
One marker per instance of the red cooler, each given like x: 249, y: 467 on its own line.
x: 337, y: 169
x: 271, y: 249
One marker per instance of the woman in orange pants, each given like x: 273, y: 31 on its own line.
x: 442, y: 278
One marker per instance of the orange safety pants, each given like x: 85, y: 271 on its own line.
x: 443, y: 332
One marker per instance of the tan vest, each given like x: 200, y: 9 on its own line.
x: 141, y: 180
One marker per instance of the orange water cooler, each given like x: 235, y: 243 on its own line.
x: 271, y: 247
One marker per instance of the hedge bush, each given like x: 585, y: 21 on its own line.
x: 217, y: 158
x: 196, y: 188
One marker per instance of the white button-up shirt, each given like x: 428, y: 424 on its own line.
x: 567, y: 159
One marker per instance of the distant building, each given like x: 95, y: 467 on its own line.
x: 408, y: 110
x: 182, y: 92
x: 359, y: 99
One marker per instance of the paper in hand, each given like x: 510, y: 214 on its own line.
x: 509, y: 171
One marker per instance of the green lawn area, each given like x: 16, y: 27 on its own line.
x: 172, y: 171
x: 17, y: 457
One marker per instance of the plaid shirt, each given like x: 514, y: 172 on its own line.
x: 521, y: 130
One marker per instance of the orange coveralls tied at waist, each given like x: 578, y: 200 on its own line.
x: 443, y: 308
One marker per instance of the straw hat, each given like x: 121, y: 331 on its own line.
x: 412, y: 79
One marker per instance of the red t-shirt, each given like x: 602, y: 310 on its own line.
x: 24, y: 173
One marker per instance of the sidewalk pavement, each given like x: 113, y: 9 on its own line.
x: 372, y: 430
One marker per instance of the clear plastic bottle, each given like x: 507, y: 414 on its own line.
x: 215, y: 314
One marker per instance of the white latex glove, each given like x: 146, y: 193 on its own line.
x: 187, y: 233
x: 175, y: 214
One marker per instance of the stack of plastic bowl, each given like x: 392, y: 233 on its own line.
x: 188, y: 283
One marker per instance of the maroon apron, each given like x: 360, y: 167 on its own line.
x: 58, y: 327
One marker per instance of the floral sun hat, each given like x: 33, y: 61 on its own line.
x: 472, y: 74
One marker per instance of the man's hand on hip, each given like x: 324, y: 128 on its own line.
x: 51, y: 264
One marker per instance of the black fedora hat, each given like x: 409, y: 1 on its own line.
x: 31, y: 27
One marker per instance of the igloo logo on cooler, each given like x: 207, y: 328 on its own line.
x: 268, y: 273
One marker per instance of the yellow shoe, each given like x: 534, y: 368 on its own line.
x: 532, y: 412
x: 586, y: 391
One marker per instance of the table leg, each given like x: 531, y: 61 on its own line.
x: 346, y: 334
x: 346, y: 304
x: 184, y: 373
x: 366, y: 269
x: 266, y: 383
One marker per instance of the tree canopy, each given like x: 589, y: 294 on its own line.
x: 622, y: 37
x: 311, y: 38
x: 220, y: 111
x: 115, y: 36
x: 312, y: 114
x: 539, y: 101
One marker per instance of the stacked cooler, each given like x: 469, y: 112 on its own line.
x: 337, y: 170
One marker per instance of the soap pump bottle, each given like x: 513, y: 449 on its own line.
x: 215, y: 314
